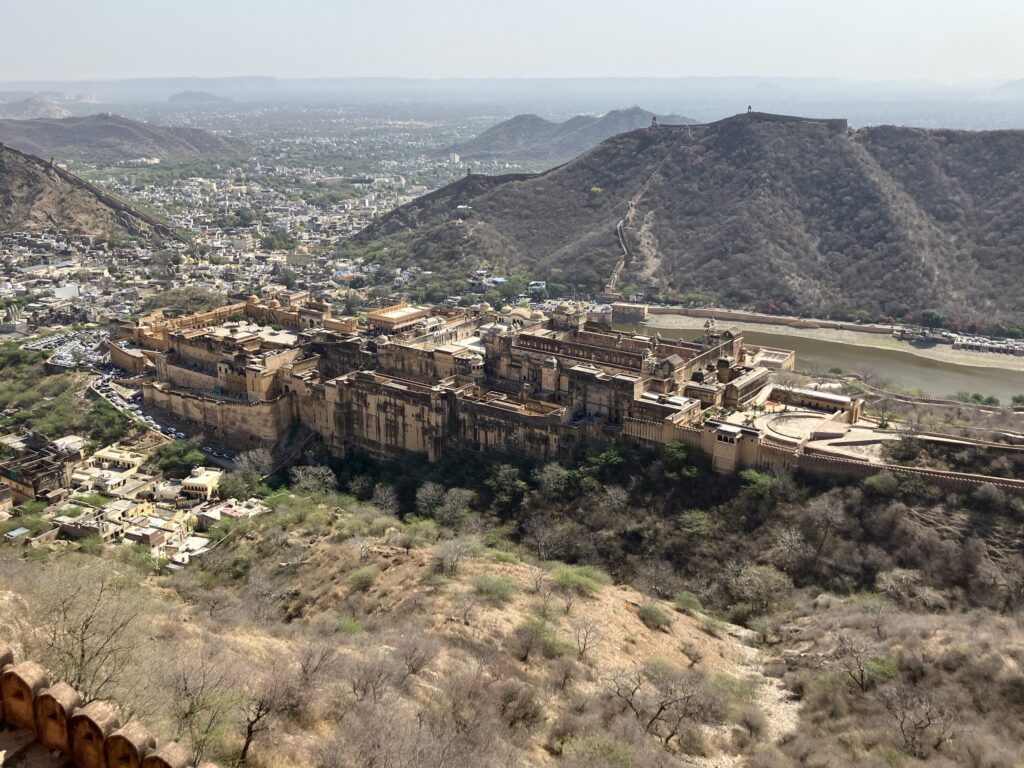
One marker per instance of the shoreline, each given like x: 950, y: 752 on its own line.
x: 941, y: 352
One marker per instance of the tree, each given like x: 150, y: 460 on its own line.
x: 361, y: 486
x: 528, y: 637
x: 924, y: 723
x: 762, y: 587
x: 87, y: 626
x: 456, y: 504
x: 448, y: 555
x: 105, y: 423
x: 552, y: 481
x: 428, y: 498
x: 507, y: 488
x: 586, y: 633
x: 312, y: 480
x: 202, y: 699
x: 932, y: 318
x: 259, y: 460
x: 178, y: 457
x: 385, y: 499
x: 241, y: 484
x: 677, y: 463
x: 662, y: 697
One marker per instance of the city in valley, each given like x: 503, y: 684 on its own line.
x: 586, y: 405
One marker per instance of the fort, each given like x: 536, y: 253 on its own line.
x: 430, y: 380
x: 46, y: 724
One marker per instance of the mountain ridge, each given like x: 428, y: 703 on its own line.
x: 774, y: 212
x: 111, y: 138
x: 531, y: 138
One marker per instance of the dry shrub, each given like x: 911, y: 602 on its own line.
x: 751, y: 719
x: 517, y: 706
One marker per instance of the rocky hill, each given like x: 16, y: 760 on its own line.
x: 109, y: 138
x: 529, y: 138
x: 754, y: 210
x: 34, y: 196
x: 33, y: 107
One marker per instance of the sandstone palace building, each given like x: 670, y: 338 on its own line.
x: 428, y: 380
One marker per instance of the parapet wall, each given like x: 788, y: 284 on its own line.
x: 57, y: 719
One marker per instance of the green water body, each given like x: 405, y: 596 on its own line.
x: 935, y: 378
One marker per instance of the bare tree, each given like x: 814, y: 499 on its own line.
x: 312, y: 480
x: 1013, y: 583
x: 369, y: 675
x: 259, y: 460
x: 448, y: 555
x: 587, y: 634
x: 464, y: 604
x: 527, y: 638
x: 202, y: 699
x: 385, y: 499
x: 663, y: 698
x: 415, y: 652
x: 260, y: 596
x: 923, y: 722
x: 89, y: 628
x: 852, y: 655
x: 361, y: 547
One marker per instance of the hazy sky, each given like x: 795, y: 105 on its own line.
x: 946, y: 40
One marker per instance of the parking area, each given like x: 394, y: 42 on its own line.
x: 72, y: 349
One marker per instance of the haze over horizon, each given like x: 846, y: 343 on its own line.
x: 941, y: 40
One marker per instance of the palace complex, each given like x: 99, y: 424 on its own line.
x: 428, y: 380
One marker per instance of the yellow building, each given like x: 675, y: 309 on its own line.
x: 202, y: 483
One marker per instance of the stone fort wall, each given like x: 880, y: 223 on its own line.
x: 261, y: 422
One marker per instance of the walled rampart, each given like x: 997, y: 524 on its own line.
x: 59, y: 720
x: 815, y: 462
x: 259, y: 422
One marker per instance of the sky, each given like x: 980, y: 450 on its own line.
x: 942, y: 40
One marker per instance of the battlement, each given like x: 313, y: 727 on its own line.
x: 54, y: 723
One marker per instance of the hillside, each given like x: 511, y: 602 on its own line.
x: 754, y: 211
x: 529, y: 138
x: 109, y: 138
x: 36, y: 106
x: 631, y: 609
x: 35, y: 196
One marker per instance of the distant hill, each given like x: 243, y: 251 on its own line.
x: 35, y: 195
x: 109, y: 138
x: 751, y: 211
x: 33, y: 107
x: 529, y: 138
x: 197, y: 97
